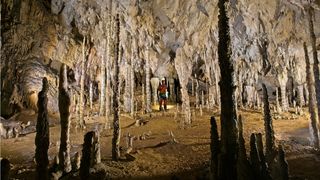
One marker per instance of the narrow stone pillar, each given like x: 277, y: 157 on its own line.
x: 64, y: 109
x: 270, y: 147
x: 42, y: 136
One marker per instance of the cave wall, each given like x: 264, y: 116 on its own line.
x: 37, y: 36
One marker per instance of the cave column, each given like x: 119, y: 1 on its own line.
x: 315, y: 57
x: 183, y: 65
x: 116, y: 96
x: 64, y: 109
x: 102, y: 106
x: 312, y: 101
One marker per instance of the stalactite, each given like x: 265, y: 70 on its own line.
x: 316, y: 70
x: 102, y: 106
x: 42, y: 136
x: 215, y: 148
x: 268, y: 126
x: 81, y: 102
x: 148, y: 89
x: 64, y: 109
x: 229, y: 129
x: 314, y: 118
x: 116, y: 97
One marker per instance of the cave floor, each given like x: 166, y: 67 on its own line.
x: 157, y: 156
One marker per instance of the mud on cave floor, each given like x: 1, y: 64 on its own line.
x: 156, y: 157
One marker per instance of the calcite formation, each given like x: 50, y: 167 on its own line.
x: 37, y: 36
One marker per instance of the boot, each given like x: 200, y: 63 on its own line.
x: 165, y: 107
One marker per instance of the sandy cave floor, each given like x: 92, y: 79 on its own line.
x: 157, y: 159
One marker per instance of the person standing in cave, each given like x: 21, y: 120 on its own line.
x: 162, y: 94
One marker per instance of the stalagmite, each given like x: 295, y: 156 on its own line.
x: 116, y: 97
x: 268, y: 126
x: 5, y: 169
x: 42, y: 136
x: 229, y: 129
x: 86, y: 156
x: 243, y: 164
x: 90, y: 153
x: 215, y: 148
x: 316, y: 70
x: 76, y: 161
x: 283, y: 164
x: 314, y: 118
x: 265, y: 174
x: 148, y: 89
x: 102, y: 106
x: 254, y: 157
x: 81, y: 102
x: 64, y: 109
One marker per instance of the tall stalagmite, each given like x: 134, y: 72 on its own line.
x: 229, y: 129
x: 64, y: 109
x: 268, y: 126
x: 116, y: 97
x: 314, y: 118
x: 42, y: 136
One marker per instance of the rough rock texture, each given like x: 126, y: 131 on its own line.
x: 37, y: 36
